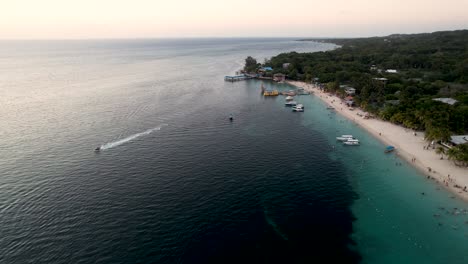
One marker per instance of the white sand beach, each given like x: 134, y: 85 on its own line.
x: 409, y: 146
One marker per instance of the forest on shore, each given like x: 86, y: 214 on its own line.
x: 396, y: 78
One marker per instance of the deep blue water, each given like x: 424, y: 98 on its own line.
x: 177, y: 182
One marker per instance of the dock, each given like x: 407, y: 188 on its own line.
x: 236, y: 78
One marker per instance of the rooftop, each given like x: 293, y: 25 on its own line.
x: 449, y: 101
x: 460, y: 139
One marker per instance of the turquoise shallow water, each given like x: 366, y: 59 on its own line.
x: 395, y: 222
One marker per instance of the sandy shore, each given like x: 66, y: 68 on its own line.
x: 409, y: 146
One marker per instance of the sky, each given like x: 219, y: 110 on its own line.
x: 76, y: 19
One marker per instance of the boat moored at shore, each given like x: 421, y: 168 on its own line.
x: 352, y: 142
x: 344, y: 137
x: 270, y: 93
x: 389, y: 149
x: 298, y: 108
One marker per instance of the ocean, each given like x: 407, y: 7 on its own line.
x: 177, y: 182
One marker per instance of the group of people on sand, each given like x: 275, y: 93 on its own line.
x: 448, y: 180
x: 429, y: 146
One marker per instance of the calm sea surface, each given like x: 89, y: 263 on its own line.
x: 176, y: 182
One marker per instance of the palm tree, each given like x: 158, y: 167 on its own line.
x: 459, y: 155
x: 441, y: 151
x: 464, y: 153
x: 453, y: 154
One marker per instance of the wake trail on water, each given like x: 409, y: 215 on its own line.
x: 130, y: 138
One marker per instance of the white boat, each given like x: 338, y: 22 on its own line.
x: 351, y: 142
x: 290, y: 103
x: 344, y: 137
x: 289, y: 98
x: 298, y: 108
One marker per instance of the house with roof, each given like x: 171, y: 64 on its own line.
x: 449, y: 101
x: 350, y: 90
x: 459, y: 140
x: 279, y: 77
x: 266, y: 69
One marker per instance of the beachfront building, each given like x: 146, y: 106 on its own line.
x: 350, y: 91
x: 266, y: 69
x: 449, y: 101
x: 455, y: 141
x: 459, y: 140
x: 279, y: 77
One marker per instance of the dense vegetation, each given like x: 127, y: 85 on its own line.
x: 251, y: 64
x: 428, y: 66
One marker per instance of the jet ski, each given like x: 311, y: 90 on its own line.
x: 231, y: 118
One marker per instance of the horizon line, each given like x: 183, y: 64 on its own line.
x: 223, y: 37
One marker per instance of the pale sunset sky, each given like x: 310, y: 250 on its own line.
x: 70, y: 19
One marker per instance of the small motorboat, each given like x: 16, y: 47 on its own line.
x: 344, y: 137
x: 389, y: 149
x: 290, y: 103
x: 289, y: 98
x: 298, y: 108
x: 231, y: 118
x: 351, y: 142
x: 98, y: 149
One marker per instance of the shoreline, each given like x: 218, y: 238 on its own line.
x: 408, y: 146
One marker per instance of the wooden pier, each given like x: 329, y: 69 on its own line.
x: 238, y: 78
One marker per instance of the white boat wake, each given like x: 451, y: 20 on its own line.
x: 130, y: 138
